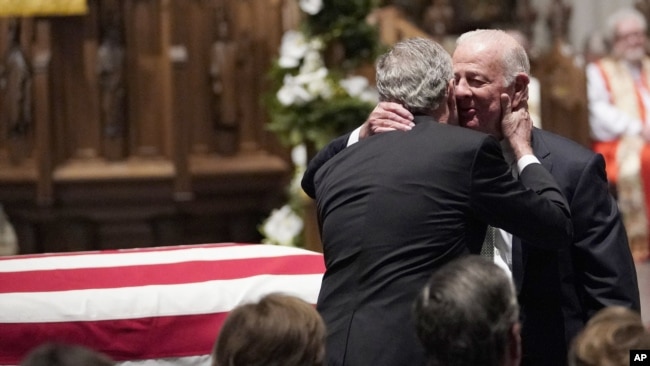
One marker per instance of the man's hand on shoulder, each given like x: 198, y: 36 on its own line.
x: 387, y: 116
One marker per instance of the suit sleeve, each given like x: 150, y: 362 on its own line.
x: 533, y: 208
x: 607, y: 274
x: 326, y: 153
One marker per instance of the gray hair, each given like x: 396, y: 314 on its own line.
x: 513, y: 55
x: 619, y: 16
x: 414, y: 73
x: 465, y: 313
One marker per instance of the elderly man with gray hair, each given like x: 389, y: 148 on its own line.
x: 468, y: 315
x: 618, y: 88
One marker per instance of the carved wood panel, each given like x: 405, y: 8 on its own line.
x: 139, y: 123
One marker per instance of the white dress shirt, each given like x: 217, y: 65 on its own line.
x: 503, y: 250
x: 503, y: 241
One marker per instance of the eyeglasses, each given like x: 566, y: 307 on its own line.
x: 630, y: 35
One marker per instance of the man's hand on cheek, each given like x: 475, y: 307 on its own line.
x: 516, y: 127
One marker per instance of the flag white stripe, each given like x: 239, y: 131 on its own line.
x: 204, y: 360
x: 153, y: 300
x: 120, y: 259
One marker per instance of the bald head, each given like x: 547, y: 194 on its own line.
x: 502, y: 46
x: 487, y: 64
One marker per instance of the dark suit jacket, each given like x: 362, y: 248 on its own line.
x: 560, y: 289
x: 394, y: 207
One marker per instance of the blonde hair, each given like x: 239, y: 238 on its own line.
x: 608, y: 337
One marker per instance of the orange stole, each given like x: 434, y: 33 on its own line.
x: 608, y: 150
x: 625, y: 95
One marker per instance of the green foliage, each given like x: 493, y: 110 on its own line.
x: 319, y: 121
x: 344, y: 22
x: 313, y: 98
x: 349, y: 41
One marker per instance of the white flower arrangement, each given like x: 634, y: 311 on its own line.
x: 359, y: 87
x: 311, y: 7
x: 284, y: 225
x: 314, y: 98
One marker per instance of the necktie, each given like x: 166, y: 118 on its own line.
x: 487, y: 250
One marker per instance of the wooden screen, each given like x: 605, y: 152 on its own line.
x: 139, y: 124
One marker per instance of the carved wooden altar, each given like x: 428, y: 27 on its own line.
x: 139, y: 123
x: 563, y: 83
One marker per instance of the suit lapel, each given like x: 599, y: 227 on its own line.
x: 541, y: 151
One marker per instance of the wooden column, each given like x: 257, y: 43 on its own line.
x: 148, y: 76
x: 42, y: 117
x: 177, y: 62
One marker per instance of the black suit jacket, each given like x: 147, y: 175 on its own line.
x: 559, y: 290
x: 394, y: 207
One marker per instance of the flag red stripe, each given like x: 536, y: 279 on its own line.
x: 157, y: 274
x: 125, y: 339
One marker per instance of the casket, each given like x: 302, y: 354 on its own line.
x: 154, y: 306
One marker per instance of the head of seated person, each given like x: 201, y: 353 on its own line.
x: 278, y: 330
x: 468, y: 315
x: 608, y: 337
x: 625, y: 34
x: 59, y: 354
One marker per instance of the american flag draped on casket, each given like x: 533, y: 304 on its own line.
x: 157, y: 306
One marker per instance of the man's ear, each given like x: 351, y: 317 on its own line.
x: 520, y: 96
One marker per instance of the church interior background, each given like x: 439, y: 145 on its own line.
x: 140, y: 122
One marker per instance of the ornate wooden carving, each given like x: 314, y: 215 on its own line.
x: 42, y: 113
x: 438, y: 18
x: 563, y: 83
x: 558, y: 20
x: 15, y: 82
x: 394, y: 25
x: 143, y: 124
x: 225, y: 57
x: 112, y: 80
x: 526, y: 15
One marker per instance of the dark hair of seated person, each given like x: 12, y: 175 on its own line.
x: 468, y: 315
x: 279, y: 330
x: 60, y: 354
